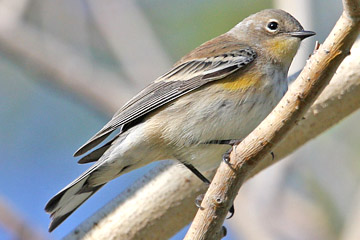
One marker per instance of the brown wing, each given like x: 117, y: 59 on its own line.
x: 184, y: 77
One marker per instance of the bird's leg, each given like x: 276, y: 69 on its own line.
x: 226, y: 159
x: 199, y: 198
x: 197, y: 173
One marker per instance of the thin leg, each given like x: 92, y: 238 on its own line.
x: 197, y: 173
x: 199, y: 198
x: 226, y: 159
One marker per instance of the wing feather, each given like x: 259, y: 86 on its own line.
x: 181, y: 79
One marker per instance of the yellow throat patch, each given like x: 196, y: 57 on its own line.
x: 282, y: 49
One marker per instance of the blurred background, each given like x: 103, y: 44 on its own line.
x: 67, y: 65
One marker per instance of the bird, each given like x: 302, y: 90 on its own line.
x: 210, y: 99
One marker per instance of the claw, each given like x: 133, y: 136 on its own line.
x: 272, y: 155
x: 226, y: 156
x: 232, y: 143
x: 224, y: 231
x: 199, y: 200
x: 231, y: 211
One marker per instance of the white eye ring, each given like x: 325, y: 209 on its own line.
x: 272, y: 26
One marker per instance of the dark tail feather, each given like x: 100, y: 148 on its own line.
x: 63, y: 204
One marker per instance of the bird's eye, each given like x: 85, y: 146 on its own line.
x: 272, y: 26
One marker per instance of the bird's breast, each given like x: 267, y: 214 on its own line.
x: 228, y: 109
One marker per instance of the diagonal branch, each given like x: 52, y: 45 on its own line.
x: 249, y: 153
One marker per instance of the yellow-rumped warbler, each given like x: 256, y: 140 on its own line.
x: 215, y: 95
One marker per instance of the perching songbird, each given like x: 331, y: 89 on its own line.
x: 215, y: 95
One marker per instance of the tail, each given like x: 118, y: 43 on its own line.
x: 65, y: 202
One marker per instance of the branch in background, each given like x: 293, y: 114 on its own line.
x: 62, y: 65
x: 149, y: 210
x: 48, y: 56
x: 251, y: 151
x: 40, y: 51
x: 15, y: 224
x: 11, y: 12
x: 135, y: 45
x: 133, y: 214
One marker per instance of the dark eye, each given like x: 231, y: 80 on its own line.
x: 272, y: 26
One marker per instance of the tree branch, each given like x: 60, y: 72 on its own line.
x: 249, y: 153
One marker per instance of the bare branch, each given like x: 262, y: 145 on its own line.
x: 351, y: 8
x: 133, y: 214
x: 250, y: 152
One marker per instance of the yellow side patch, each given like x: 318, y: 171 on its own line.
x: 242, y: 82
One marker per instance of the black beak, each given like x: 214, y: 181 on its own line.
x: 302, y: 34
